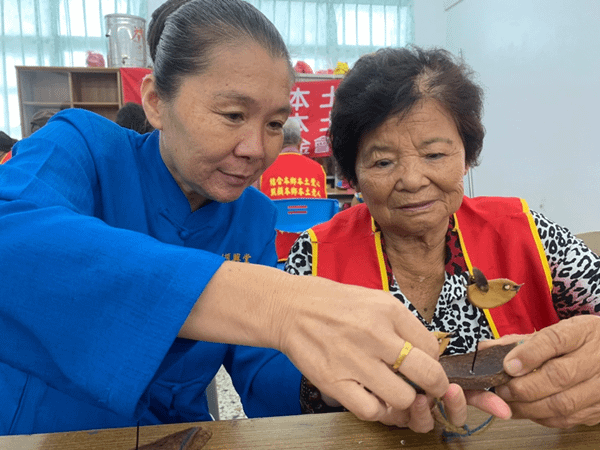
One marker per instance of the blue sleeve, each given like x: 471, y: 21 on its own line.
x: 90, y: 309
x: 266, y: 380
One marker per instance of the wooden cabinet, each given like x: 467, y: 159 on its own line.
x: 56, y: 88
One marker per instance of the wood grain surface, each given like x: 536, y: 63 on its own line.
x: 338, y: 431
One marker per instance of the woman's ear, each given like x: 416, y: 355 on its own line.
x: 151, y: 102
x: 467, y: 167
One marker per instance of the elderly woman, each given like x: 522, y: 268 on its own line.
x: 405, y: 128
x: 119, y: 251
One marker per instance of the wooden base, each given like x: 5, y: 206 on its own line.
x: 488, y: 370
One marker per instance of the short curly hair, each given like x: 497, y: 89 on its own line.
x: 391, y: 82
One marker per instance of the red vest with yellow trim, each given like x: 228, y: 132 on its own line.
x: 497, y: 235
x: 294, y: 175
x: 6, y: 157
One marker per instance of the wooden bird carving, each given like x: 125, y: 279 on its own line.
x: 489, y: 294
x: 443, y: 339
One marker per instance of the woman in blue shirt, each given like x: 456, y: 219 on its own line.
x: 119, y: 251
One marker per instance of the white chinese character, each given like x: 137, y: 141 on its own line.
x: 304, y: 147
x: 327, y: 120
x: 321, y: 145
x: 297, y: 99
x: 300, y: 120
x: 330, y: 95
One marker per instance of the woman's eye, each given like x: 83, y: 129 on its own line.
x: 234, y: 117
x: 434, y: 155
x: 276, y: 125
x: 382, y: 163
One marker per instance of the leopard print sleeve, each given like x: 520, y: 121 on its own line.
x: 299, y: 261
x: 575, y: 270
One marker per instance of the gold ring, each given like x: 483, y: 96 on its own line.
x: 403, y: 354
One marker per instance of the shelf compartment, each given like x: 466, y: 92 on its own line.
x: 95, y: 87
x: 44, y: 86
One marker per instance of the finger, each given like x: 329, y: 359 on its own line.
x: 412, y: 329
x: 421, y: 419
x: 553, y: 377
x: 564, y: 404
x: 455, y: 405
x: 396, y: 417
x: 362, y: 403
x: 561, y: 338
x: 426, y: 372
x: 490, y: 403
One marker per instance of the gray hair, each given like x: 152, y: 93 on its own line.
x: 291, y: 132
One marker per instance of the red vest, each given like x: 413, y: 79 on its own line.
x: 294, y: 175
x: 6, y: 157
x: 497, y: 235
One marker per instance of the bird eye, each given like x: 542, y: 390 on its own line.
x: 506, y: 287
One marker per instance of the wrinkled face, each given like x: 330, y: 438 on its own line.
x: 410, y: 171
x: 224, y: 127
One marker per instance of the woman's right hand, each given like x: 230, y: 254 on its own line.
x: 343, y: 338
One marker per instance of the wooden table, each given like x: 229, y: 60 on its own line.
x: 340, y: 431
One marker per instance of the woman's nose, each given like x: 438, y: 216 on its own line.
x: 411, y: 176
x: 251, y: 145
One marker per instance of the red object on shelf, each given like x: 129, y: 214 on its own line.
x: 302, y: 67
x: 94, y: 59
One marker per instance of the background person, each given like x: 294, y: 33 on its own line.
x: 115, y: 245
x: 293, y: 175
x: 131, y: 115
x: 405, y: 128
x: 6, y: 145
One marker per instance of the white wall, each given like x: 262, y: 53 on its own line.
x: 152, y: 5
x: 539, y: 62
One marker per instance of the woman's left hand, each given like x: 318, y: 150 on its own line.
x: 557, y: 374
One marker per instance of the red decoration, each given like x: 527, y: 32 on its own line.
x: 131, y: 80
x: 311, y: 103
x: 93, y: 59
x: 302, y: 67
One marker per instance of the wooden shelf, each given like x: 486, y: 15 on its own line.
x: 56, y: 88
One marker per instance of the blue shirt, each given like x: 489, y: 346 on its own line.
x: 101, y: 262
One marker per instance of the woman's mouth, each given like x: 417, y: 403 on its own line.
x: 236, y: 179
x: 420, y: 206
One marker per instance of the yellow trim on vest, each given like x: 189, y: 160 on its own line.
x: 384, y: 278
x: 538, y: 244
x: 488, y: 316
x: 385, y: 283
x: 315, y: 251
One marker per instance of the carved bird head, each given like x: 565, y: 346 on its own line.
x: 443, y: 339
x: 487, y: 294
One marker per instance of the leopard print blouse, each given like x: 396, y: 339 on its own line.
x: 575, y: 273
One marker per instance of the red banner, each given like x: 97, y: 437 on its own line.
x: 311, y: 103
x: 131, y: 80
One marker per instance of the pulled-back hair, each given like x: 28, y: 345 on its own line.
x: 391, y: 82
x: 182, y: 34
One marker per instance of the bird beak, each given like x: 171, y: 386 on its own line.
x: 517, y: 287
